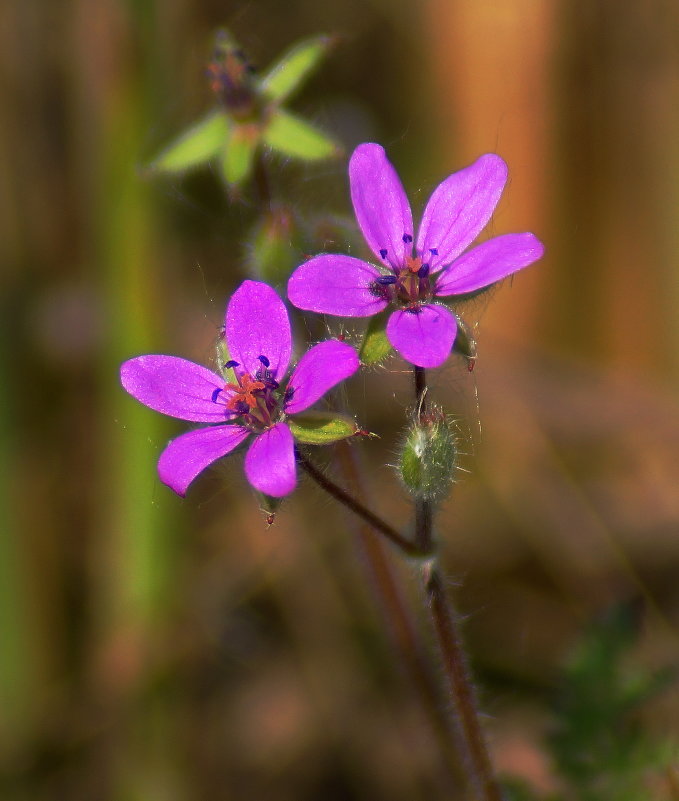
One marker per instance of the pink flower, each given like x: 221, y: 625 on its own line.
x: 420, y: 329
x: 259, y: 344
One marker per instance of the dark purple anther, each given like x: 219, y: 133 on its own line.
x: 231, y: 363
x: 215, y: 395
x: 385, y: 280
x: 407, y: 239
x: 423, y: 272
x: 264, y: 360
x: 383, y: 253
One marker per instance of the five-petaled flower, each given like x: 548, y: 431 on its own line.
x: 255, y: 403
x: 421, y: 330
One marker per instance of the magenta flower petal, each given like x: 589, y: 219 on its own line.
x: 489, y: 262
x: 423, y: 336
x: 459, y: 209
x: 174, y: 386
x: 333, y: 284
x: 192, y: 452
x: 257, y: 325
x: 270, y: 462
x: 380, y: 204
x: 321, y: 367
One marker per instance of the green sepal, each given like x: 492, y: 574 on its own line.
x: 239, y: 153
x: 321, y: 428
x: 464, y: 344
x: 294, y: 66
x: 195, y: 146
x: 268, y: 505
x: 223, y: 358
x: 274, y: 245
x: 375, y: 346
x: 294, y: 137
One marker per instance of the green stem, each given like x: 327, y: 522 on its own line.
x: 262, y: 183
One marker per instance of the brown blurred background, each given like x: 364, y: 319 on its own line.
x: 168, y: 649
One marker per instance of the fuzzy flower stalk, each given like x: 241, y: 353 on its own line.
x: 414, y: 271
x: 251, y: 401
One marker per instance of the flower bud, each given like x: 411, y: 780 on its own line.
x: 428, y: 457
x: 274, y: 246
x: 465, y: 344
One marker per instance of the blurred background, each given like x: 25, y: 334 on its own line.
x: 154, y: 647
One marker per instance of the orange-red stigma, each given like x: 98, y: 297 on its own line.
x: 413, y: 264
x: 243, y: 393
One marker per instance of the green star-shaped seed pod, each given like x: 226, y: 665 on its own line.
x: 251, y: 114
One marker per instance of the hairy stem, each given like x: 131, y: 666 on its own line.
x: 405, y: 634
x: 406, y: 546
x: 461, y: 688
x: 424, y: 513
x: 445, y: 619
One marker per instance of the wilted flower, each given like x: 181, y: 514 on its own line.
x: 420, y: 329
x: 254, y: 402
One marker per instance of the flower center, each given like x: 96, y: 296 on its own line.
x: 257, y: 401
x: 409, y: 285
x: 230, y: 77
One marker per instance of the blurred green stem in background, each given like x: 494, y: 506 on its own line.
x: 18, y: 693
x: 139, y: 523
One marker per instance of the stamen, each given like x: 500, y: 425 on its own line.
x: 434, y: 251
x: 264, y: 360
x: 407, y: 239
x: 383, y: 253
x: 231, y: 363
x: 385, y: 280
x: 423, y: 272
x: 215, y: 394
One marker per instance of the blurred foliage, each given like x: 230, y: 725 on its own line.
x: 599, y: 745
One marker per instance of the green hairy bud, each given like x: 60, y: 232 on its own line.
x: 428, y: 456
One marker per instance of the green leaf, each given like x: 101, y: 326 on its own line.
x: 196, y: 146
x: 287, y: 75
x: 239, y: 153
x: 294, y: 137
x: 375, y: 346
x: 321, y: 428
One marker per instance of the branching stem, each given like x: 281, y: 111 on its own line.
x: 406, y: 546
